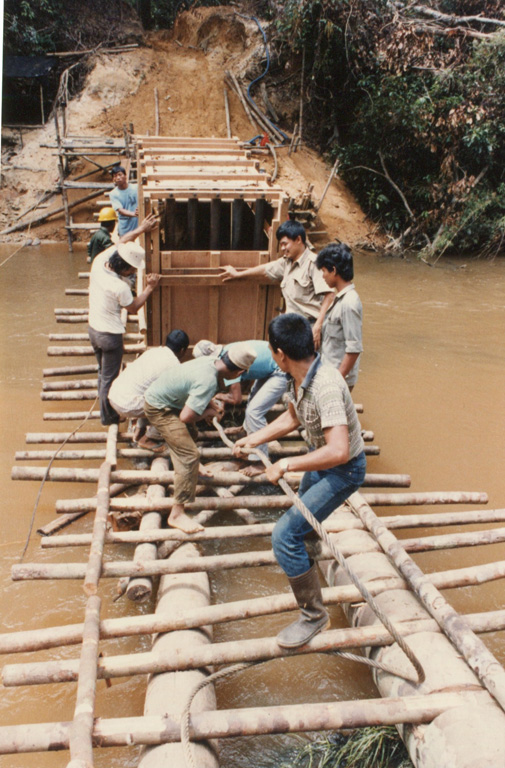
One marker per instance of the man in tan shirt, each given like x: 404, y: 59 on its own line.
x: 303, y: 287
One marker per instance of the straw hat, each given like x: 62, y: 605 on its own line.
x: 206, y: 347
x: 132, y: 253
x: 242, y: 355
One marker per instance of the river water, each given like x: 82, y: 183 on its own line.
x: 432, y: 383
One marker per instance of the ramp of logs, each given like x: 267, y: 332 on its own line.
x: 455, y: 718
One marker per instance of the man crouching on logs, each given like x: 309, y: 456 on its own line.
x: 179, y: 398
x: 319, y: 402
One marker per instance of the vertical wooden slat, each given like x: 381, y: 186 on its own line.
x: 215, y: 224
x: 192, y: 222
x: 215, y: 261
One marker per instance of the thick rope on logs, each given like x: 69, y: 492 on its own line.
x: 295, y: 718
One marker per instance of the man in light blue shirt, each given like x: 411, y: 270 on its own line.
x: 179, y: 398
x: 269, y: 385
x: 124, y: 200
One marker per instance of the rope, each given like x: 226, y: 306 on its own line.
x: 46, y: 475
x: 339, y: 557
x: 17, y: 249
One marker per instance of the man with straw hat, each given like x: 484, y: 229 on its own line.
x: 109, y: 293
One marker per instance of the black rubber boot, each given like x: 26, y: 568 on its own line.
x: 313, y: 616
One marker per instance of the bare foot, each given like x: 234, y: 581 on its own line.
x: 139, y: 431
x: 253, y: 470
x: 184, y: 523
x: 203, y: 471
x: 150, y: 445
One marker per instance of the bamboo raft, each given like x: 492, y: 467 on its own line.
x: 454, y: 717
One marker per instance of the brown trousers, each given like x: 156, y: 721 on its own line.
x: 183, y: 451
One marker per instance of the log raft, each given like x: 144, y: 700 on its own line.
x: 464, y: 687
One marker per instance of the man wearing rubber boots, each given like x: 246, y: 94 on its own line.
x: 320, y: 403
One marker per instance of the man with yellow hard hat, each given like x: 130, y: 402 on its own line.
x: 102, y: 239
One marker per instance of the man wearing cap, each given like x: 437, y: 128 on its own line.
x: 175, y: 402
x: 302, y: 285
x: 269, y: 385
x: 109, y: 293
x: 102, y: 238
x: 124, y: 200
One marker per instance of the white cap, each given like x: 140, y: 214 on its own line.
x: 132, y: 253
x: 206, y: 347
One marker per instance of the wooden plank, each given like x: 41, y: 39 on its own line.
x: 182, y: 194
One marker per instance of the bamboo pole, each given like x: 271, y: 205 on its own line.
x: 140, y: 589
x: 167, y: 477
x: 84, y: 351
x: 478, y: 657
x: 71, y: 634
x: 63, y: 520
x: 81, y: 730
x: 62, y: 181
x: 294, y: 718
x: 227, y: 113
x: 348, y: 543
x: 72, y: 416
x: 336, y: 525
x: 80, y: 437
x: 232, y: 652
x: 94, y: 564
x: 70, y: 370
x: 272, y: 502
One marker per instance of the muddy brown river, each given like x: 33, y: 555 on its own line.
x: 432, y: 383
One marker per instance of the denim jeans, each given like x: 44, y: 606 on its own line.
x: 264, y: 394
x: 322, y: 492
x: 108, y: 349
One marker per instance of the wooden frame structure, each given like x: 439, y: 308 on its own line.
x: 216, y: 207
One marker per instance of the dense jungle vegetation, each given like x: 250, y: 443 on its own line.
x: 409, y: 97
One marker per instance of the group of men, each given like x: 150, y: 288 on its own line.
x: 312, y: 355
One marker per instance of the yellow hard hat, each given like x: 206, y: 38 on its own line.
x: 107, y: 214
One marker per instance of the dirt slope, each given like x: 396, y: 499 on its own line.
x: 187, y: 66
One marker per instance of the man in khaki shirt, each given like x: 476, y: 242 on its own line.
x: 303, y: 287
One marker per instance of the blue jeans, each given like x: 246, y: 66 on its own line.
x: 264, y: 394
x: 321, y: 492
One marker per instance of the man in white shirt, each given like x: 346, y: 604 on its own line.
x: 126, y: 394
x: 109, y: 293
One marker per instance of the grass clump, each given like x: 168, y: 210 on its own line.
x: 375, y: 747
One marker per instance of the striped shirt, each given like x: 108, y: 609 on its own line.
x: 324, y: 401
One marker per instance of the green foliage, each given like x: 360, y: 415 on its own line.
x: 418, y: 116
x: 376, y: 747
x: 31, y: 27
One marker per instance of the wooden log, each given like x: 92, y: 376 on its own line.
x: 80, y: 437
x: 85, y: 337
x: 50, y: 637
x: 62, y: 386
x: 223, y: 533
x: 232, y: 652
x: 227, y: 112
x: 48, y: 214
x: 93, y: 568
x: 70, y: 370
x: 81, y: 731
x: 167, y: 477
x: 294, y: 718
x: 348, y: 544
x: 81, y: 455
x: 80, y: 394
x: 63, y: 520
x: 168, y: 693
x: 140, y: 589
x: 478, y: 657
x: 85, y: 351
x: 72, y: 416
x: 272, y: 502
